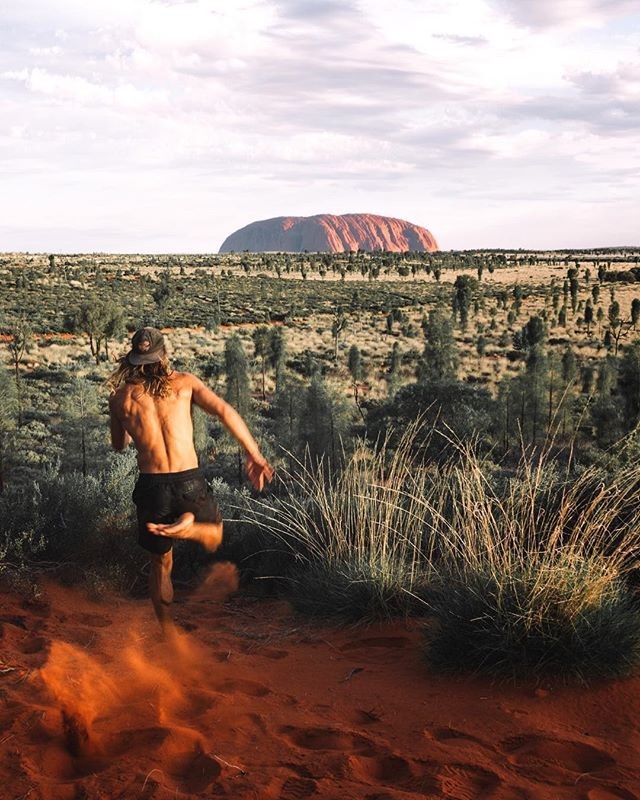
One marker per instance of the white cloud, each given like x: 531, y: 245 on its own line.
x: 81, y: 91
x: 215, y: 30
x: 569, y: 13
x: 420, y: 108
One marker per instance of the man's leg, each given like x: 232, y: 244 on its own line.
x: 160, y: 586
x: 209, y: 534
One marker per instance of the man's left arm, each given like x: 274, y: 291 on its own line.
x: 258, y: 468
x: 120, y: 439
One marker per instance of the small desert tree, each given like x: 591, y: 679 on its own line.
x: 162, y: 293
x: 286, y: 412
x: 464, y: 288
x: 629, y: 383
x: 356, y: 369
x: 338, y: 325
x: 393, y: 373
x: 81, y: 421
x: 635, y: 311
x: 616, y: 325
x: 277, y: 353
x: 325, y: 422
x: 8, y: 421
x: 238, y: 391
x: 100, y: 320
x: 440, y: 357
x: 261, y: 348
x: 20, y: 336
x: 588, y: 316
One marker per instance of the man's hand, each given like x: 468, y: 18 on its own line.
x: 258, y: 471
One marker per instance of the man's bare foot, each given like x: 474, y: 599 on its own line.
x: 180, y: 529
x: 209, y: 534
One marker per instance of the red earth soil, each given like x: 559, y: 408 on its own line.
x: 254, y: 702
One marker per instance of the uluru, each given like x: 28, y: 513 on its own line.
x: 330, y: 233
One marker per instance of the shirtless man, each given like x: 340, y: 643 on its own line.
x: 150, y: 404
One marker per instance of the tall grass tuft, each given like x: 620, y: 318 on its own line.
x: 523, y: 575
x: 530, y: 579
x: 356, y: 538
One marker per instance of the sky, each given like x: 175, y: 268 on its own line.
x: 162, y: 126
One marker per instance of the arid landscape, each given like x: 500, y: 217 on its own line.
x: 319, y: 400
x: 441, y: 611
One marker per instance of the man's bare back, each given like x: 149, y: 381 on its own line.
x: 162, y: 427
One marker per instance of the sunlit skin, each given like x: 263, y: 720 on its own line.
x: 161, y: 429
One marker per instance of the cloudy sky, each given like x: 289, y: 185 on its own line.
x: 161, y: 125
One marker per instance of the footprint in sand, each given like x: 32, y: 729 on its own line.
x: 254, y: 722
x: 609, y: 793
x: 33, y: 644
x: 195, y: 771
x: 327, y: 739
x: 240, y: 686
x: 392, y: 771
x: 126, y: 741
x: 55, y: 762
x: 197, y: 702
x: 275, y: 655
x: 453, y: 737
x: 185, y: 763
x: 15, y: 620
x: 37, y: 608
x: 298, y: 788
x: 555, y: 760
x: 467, y: 782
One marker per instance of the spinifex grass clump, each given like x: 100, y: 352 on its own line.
x: 360, y: 553
x: 523, y: 575
x: 526, y: 623
x: 531, y: 582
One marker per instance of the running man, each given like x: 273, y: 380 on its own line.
x: 150, y: 404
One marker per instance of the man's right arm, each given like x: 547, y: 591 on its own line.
x: 119, y: 436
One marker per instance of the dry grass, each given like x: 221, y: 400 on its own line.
x: 524, y: 575
x: 358, y: 535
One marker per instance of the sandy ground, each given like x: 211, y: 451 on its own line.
x: 254, y: 702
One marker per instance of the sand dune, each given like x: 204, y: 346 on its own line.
x: 253, y: 702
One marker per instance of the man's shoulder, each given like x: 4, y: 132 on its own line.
x: 185, y: 381
x: 183, y: 377
x: 115, y: 398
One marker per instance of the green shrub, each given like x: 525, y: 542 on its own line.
x: 86, y: 522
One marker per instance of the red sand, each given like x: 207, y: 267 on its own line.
x: 257, y: 703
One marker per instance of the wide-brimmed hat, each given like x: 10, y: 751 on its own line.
x: 147, y: 347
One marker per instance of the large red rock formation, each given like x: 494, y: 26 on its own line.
x: 330, y: 233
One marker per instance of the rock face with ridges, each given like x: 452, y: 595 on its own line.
x: 330, y: 233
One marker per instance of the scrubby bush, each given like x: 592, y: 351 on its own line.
x: 84, y: 521
x: 448, y: 409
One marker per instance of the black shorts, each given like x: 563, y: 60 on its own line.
x: 162, y: 497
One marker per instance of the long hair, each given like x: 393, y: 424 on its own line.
x: 155, y: 378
